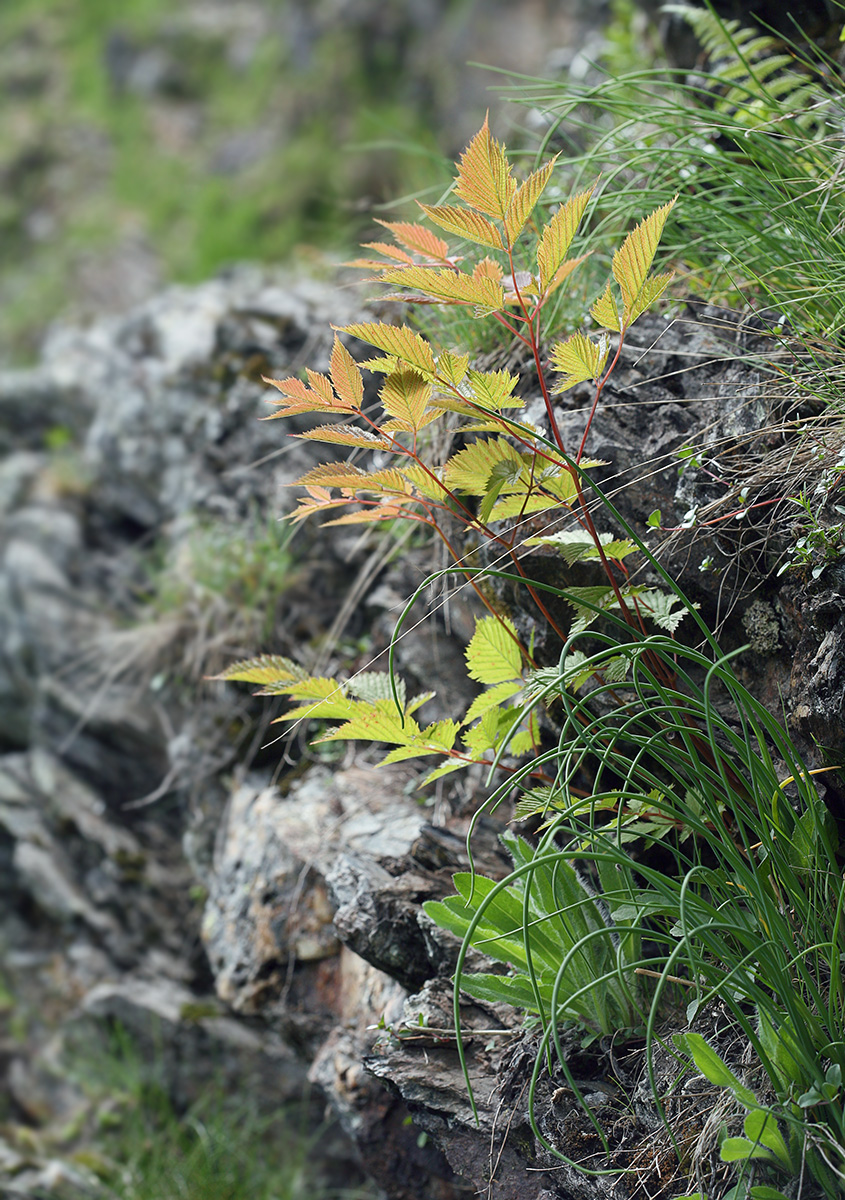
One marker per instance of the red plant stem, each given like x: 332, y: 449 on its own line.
x: 599, y: 390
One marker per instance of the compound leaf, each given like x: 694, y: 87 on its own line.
x: 632, y: 261
x: 579, y: 358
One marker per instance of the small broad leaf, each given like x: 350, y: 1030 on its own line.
x: 398, y: 340
x: 494, y: 654
x: 575, y: 546
x: 524, y: 200
x: 470, y: 469
x: 557, y: 236
x: 505, y: 475
x: 484, y: 175
x: 740, y: 1149
x: 632, y: 261
x: 405, y: 395
x: 452, y: 367
x: 762, y: 1127
x: 494, y: 389
x: 579, y: 358
x: 604, y: 312
x: 465, y: 223
x: 712, y: 1067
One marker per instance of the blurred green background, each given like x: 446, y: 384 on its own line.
x: 143, y: 141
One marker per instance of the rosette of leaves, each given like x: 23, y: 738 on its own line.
x: 568, y: 957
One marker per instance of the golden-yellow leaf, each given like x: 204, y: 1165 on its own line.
x: 494, y: 389
x: 525, y: 199
x: 488, y: 268
x: 563, y: 272
x: 579, y: 358
x: 396, y: 340
x: 558, y: 234
x: 405, y: 395
x: 452, y: 367
x: 347, y: 380
x: 484, y: 175
x: 632, y: 261
x: 470, y: 469
x: 418, y: 239
x: 466, y: 223
x: 604, y: 312
x: 652, y: 290
x: 451, y: 287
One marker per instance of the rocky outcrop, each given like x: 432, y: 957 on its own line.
x: 168, y: 866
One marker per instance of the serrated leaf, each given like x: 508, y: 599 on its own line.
x: 604, y: 312
x: 493, y: 654
x: 346, y: 435
x: 347, y: 379
x: 466, y: 223
x: 452, y: 367
x: 632, y: 261
x: 375, y: 685
x: 563, y: 272
x: 298, y: 397
x: 377, y: 722
x: 484, y: 175
x: 652, y: 290
x: 405, y: 395
x: 265, y: 668
x: 504, y: 476
x: 417, y: 238
x: 524, y: 200
x: 492, y: 698
x: 451, y: 287
x: 493, y: 389
x: 384, y: 366
x: 579, y: 358
x: 557, y: 236
x: 454, y: 764
x: 661, y: 607
x: 470, y: 469
x: 328, y: 475
x: 550, y: 492
x: 427, y: 486
x: 488, y: 268
x: 397, y: 340
x: 385, y: 248
x: 575, y: 546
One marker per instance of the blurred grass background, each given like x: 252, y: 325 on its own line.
x: 143, y: 141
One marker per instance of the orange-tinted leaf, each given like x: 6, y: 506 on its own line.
x: 346, y: 435
x: 558, y: 234
x: 417, y: 239
x: 322, y: 386
x: 298, y: 397
x: 466, y: 223
x: 384, y: 248
x: 397, y: 340
x: 524, y: 200
x: 563, y: 272
x: 347, y: 379
x: 484, y: 175
x: 327, y: 475
x: 488, y: 268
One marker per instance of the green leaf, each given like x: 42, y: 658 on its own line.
x: 492, y: 698
x: 557, y: 236
x: 465, y: 223
x: 397, y: 340
x: 265, y: 668
x: 470, y: 469
x: 632, y: 261
x: 604, y: 312
x: 524, y: 200
x: 761, y: 1127
x: 577, y: 546
x: 740, y: 1149
x: 712, y: 1067
x: 494, y: 654
x: 375, y: 685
